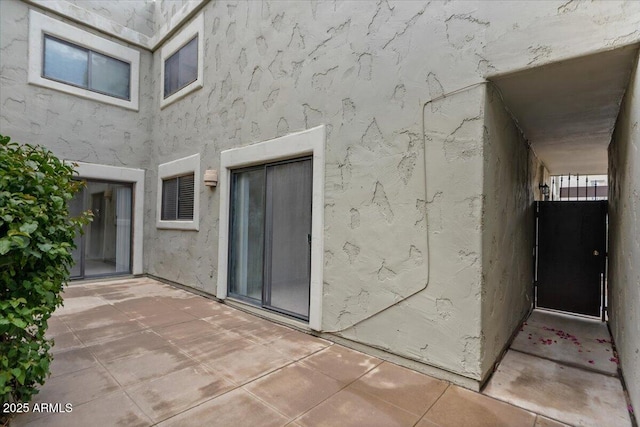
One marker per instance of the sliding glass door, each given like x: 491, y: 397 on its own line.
x: 105, y: 246
x: 270, y: 241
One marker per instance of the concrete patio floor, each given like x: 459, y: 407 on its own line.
x: 137, y: 352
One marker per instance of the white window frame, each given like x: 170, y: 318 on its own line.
x: 179, y: 167
x: 128, y: 175
x: 305, y: 143
x: 194, y: 28
x: 40, y: 24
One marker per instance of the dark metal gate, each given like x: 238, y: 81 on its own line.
x: 571, y: 256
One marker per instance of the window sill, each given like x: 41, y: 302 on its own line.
x: 177, y: 225
x: 191, y: 87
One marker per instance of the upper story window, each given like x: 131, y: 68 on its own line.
x: 69, y: 63
x: 182, y: 62
x: 68, y: 59
x: 181, y: 68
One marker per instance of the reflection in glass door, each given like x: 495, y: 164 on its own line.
x: 105, y: 247
x: 270, y: 236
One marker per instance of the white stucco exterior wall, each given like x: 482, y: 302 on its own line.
x: 137, y: 15
x: 624, y: 238
x: 72, y: 127
x: 510, y: 169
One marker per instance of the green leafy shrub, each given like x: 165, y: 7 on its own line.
x: 36, y: 239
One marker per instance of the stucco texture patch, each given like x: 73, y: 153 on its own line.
x: 624, y: 238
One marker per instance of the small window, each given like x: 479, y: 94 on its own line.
x: 178, y: 204
x: 75, y: 65
x: 181, y: 60
x: 181, y: 68
x: 178, y: 198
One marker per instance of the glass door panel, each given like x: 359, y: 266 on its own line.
x: 270, y: 232
x: 247, y: 234
x: 76, y: 206
x: 288, y: 254
x: 105, y: 247
x: 123, y: 229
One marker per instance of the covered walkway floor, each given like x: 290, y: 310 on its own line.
x: 564, y: 367
x: 138, y: 352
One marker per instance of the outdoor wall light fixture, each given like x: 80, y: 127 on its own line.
x: 211, y: 178
x: 544, y: 188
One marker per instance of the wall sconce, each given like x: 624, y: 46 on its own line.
x: 211, y: 178
x: 544, y: 188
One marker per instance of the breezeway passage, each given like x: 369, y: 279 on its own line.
x: 138, y: 352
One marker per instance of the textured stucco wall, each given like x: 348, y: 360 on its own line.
x: 138, y: 15
x: 624, y: 238
x: 441, y: 324
x: 164, y: 10
x: 507, y: 229
x: 273, y: 68
x: 364, y: 70
x: 73, y: 128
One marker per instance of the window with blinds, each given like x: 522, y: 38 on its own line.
x: 177, y: 198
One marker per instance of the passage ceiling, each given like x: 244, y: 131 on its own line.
x: 568, y: 109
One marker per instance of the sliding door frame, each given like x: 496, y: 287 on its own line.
x: 306, y: 143
x: 267, y: 247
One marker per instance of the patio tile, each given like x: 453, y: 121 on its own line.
x: 186, y: 331
x: 236, y: 408
x: 461, y: 407
x: 141, y: 306
x: 296, y: 345
x: 128, y: 345
x: 341, y: 363
x: 248, y: 363
x: 75, y: 291
x: 107, y: 333
x: 78, y: 305
x: 427, y: 423
x: 94, y: 317
x: 229, y: 318
x: 170, y: 317
x: 55, y: 326
x: 263, y: 332
x: 354, y: 408
x: 208, y: 349
x: 72, y: 360
x: 407, y: 389
x: 196, y: 306
x: 114, y: 409
x: 174, y: 393
x: 65, y: 341
x: 135, y: 288
x: 294, y: 389
x: 147, y: 366
x: 77, y: 387
x: 546, y: 422
x: 151, y: 312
